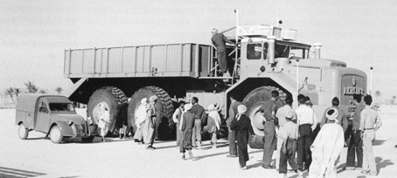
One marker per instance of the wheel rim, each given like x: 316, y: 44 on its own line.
x: 257, y: 119
x: 22, y: 131
x: 55, y: 134
x: 101, y: 115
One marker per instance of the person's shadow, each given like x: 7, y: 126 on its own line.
x: 381, y: 163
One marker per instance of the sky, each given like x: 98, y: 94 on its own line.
x: 34, y: 34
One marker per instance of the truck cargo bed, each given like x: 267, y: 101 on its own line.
x: 163, y: 60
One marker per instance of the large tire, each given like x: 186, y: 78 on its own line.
x: 107, y: 102
x: 56, y: 134
x: 23, y: 132
x: 260, y: 97
x: 164, y: 106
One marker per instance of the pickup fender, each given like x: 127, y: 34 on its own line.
x: 66, y: 130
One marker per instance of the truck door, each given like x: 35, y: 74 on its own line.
x: 43, y: 118
x: 254, y: 57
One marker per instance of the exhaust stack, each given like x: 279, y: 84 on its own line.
x: 317, y: 50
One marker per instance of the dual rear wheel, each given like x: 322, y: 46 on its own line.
x: 108, y: 107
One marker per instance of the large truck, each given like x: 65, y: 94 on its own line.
x: 261, y: 58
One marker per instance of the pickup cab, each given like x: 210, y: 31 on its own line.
x: 52, y: 115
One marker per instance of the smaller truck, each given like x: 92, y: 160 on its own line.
x: 52, y: 115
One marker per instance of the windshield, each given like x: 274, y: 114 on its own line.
x: 61, y: 107
x: 286, y: 50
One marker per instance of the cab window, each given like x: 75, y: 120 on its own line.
x: 257, y: 50
x: 254, y: 51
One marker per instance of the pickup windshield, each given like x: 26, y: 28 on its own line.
x: 61, y: 107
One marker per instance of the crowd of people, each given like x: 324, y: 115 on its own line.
x: 305, y: 142
x: 295, y: 136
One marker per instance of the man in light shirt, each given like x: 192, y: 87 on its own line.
x: 370, y: 122
x: 281, y: 115
x: 288, y: 135
x: 307, y: 122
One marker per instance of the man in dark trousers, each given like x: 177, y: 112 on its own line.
x: 198, y: 112
x: 307, y: 122
x: 219, y: 41
x: 231, y: 133
x: 242, y: 126
x: 186, y: 126
x: 269, y: 129
x: 355, y: 145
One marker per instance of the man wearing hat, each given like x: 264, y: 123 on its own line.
x: 242, y: 125
x: 327, y: 147
x: 288, y: 135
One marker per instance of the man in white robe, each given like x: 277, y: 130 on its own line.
x: 140, y: 117
x: 327, y: 147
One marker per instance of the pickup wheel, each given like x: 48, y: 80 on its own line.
x: 23, y: 132
x: 257, y: 98
x: 164, y: 105
x: 106, y: 104
x: 55, y: 134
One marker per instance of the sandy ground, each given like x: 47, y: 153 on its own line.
x: 123, y: 158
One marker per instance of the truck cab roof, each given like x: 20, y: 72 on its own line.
x: 27, y: 102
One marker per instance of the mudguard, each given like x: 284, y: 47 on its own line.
x: 66, y: 130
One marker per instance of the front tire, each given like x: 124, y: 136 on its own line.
x: 23, y: 132
x: 56, y: 134
x: 260, y: 97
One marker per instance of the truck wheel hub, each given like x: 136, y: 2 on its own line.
x: 257, y: 119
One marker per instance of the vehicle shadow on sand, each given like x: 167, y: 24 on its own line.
x: 378, y: 142
x: 37, y: 138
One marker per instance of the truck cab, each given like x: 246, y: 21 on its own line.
x: 52, y: 115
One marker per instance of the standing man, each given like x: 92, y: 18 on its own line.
x: 242, y: 125
x: 369, y: 124
x: 213, y: 123
x: 198, y: 112
x: 327, y: 147
x: 140, y: 117
x: 186, y: 126
x: 281, y: 115
x: 355, y: 146
x: 219, y: 41
x: 150, y: 123
x: 288, y: 135
x: 232, y: 133
x: 340, y: 119
x: 269, y: 129
x: 306, y: 124
x: 278, y: 103
x: 176, y: 117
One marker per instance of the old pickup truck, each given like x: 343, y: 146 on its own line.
x: 52, y: 115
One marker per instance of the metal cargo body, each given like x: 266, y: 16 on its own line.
x: 167, y: 60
